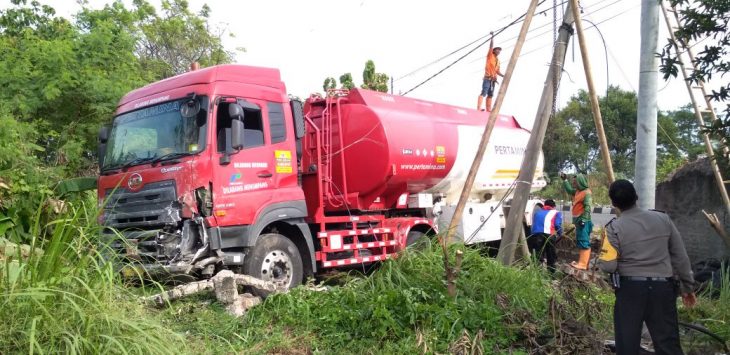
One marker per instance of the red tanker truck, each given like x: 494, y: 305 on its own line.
x: 219, y: 168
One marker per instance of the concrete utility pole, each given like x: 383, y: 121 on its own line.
x: 597, y: 119
x: 529, y: 162
x: 646, y: 120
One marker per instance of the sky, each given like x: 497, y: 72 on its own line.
x: 311, y: 40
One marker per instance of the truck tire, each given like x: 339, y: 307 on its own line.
x: 417, y: 240
x: 274, y: 258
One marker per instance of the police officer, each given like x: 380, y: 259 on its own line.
x: 645, y: 249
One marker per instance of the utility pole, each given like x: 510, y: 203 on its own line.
x: 597, y: 119
x: 493, y: 114
x: 513, y: 224
x: 646, y: 120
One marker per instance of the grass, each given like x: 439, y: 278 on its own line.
x: 401, y: 308
x: 62, y: 298
x: 712, y: 311
x: 58, y: 296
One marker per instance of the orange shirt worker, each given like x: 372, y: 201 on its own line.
x: 491, y: 71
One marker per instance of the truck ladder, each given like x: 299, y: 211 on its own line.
x: 686, y: 64
x: 335, y: 195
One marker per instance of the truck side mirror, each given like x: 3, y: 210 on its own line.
x: 235, y: 111
x: 298, y: 113
x: 103, y: 134
x: 101, y: 149
x: 236, y: 134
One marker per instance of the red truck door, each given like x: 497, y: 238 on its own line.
x: 245, y: 183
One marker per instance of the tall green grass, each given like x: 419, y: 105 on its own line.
x: 713, y: 309
x: 61, y: 297
x: 403, y: 307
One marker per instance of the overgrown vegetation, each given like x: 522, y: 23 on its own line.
x: 58, y: 295
x: 571, y: 142
x: 403, y: 308
x: 705, y: 23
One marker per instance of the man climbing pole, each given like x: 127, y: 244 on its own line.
x: 577, y: 186
x: 491, y: 70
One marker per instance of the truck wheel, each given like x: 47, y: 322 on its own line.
x: 274, y: 258
x: 416, y: 240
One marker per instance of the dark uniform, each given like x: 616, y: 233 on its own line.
x: 648, y: 253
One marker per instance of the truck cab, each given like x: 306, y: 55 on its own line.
x: 195, y: 168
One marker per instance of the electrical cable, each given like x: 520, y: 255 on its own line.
x: 517, y: 20
x: 544, y: 33
x: 554, y: 8
x: 605, y: 50
x: 499, y: 205
x: 549, y: 31
x: 465, y: 46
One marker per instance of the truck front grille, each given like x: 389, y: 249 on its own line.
x: 154, y: 206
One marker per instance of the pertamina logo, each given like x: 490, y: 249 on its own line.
x: 440, y: 154
x: 234, y: 178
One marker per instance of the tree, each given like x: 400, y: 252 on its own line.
x: 171, y: 42
x: 346, y: 81
x: 372, y: 80
x: 571, y: 141
x: 688, y: 132
x: 66, y: 77
x: 705, y: 21
x: 329, y: 84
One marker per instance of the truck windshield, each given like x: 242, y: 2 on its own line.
x: 141, y: 136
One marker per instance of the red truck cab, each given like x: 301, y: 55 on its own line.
x: 182, y: 177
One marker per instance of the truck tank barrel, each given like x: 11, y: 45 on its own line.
x: 393, y: 145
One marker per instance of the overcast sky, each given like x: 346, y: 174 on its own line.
x: 310, y: 40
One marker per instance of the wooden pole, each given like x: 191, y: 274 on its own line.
x: 698, y: 116
x: 456, y: 219
x: 592, y: 93
x: 527, y: 170
x: 717, y: 225
x: 597, y: 119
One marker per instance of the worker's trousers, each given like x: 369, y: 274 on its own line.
x: 653, y: 302
x: 543, y: 248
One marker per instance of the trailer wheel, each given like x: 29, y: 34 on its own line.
x: 417, y: 240
x: 274, y: 258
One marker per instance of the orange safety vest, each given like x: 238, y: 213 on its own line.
x: 578, y: 206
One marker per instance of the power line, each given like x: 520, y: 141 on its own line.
x: 500, y: 31
x: 549, y: 31
x: 517, y: 20
x: 442, y: 58
x: 485, y: 36
x: 550, y: 45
